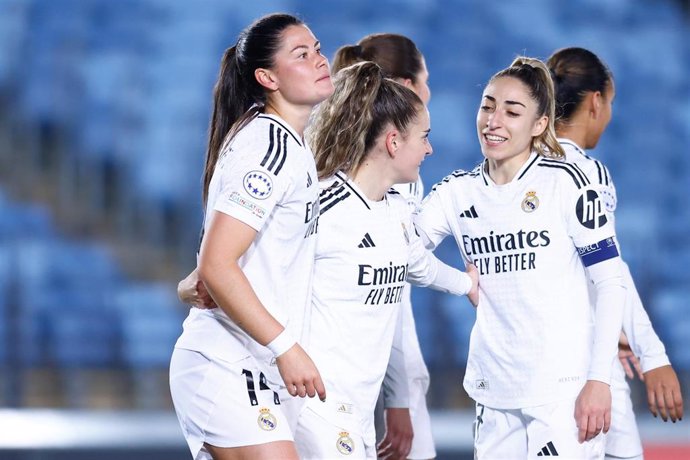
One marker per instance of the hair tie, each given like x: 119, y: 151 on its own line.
x: 358, y: 50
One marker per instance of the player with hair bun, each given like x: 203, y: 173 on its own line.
x: 539, y: 366
x: 584, y: 96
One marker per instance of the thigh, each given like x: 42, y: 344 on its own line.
x: 423, y: 441
x: 224, y: 404
x: 623, y: 439
x: 552, y: 431
x: 499, y: 434
x: 284, y: 450
x: 317, y: 438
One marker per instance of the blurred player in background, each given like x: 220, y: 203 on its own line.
x: 584, y: 96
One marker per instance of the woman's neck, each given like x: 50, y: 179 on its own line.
x: 503, y: 171
x: 574, y: 129
x: 296, y: 116
x: 371, y: 180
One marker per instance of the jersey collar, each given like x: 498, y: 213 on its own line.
x: 284, y: 124
x: 568, y: 142
x: 531, y: 161
x: 347, y: 182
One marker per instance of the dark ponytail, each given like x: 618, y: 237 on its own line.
x: 237, y: 95
x: 576, y: 71
x: 397, y: 55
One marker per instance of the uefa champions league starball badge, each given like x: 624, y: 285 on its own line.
x: 531, y: 202
x: 258, y: 185
x: 345, y: 444
x: 266, y: 420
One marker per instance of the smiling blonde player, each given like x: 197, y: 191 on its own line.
x: 536, y: 229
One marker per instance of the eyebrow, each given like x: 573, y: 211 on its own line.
x: 493, y: 99
x: 316, y: 44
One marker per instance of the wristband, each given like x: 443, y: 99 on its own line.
x: 282, y: 343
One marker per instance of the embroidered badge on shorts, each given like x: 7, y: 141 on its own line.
x: 531, y: 202
x: 266, y: 420
x: 258, y: 184
x: 345, y: 444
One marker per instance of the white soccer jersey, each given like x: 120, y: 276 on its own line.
x: 413, y: 193
x: 365, y: 251
x: 265, y: 178
x: 644, y: 342
x: 530, y: 239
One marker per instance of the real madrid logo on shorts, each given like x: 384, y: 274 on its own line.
x: 258, y: 184
x: 345, y: 444
x: 531, y: 202
x: 266, y: 420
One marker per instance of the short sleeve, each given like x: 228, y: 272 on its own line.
x: 249, y: 187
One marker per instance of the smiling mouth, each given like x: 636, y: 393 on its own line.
x: 325, y: 77
x: 494, y: 139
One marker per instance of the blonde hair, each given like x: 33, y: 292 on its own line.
x: 346, y: 125
x: 534, y: 74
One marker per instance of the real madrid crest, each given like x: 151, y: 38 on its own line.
x: 531, y: 202
x: 345, y: 444
x: 266, y: 420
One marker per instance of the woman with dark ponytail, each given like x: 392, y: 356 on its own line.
x: 236, y: 368
x: 584, y: 95
x: 538, y: 369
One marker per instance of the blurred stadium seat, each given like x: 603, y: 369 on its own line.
x: 128, y: 85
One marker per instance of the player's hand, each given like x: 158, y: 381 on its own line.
x: 593, y: 410
x: 192, y: 291
x: 663, y: 393
x: 473, y: 273
x: 397, y: 442
x: 631, y: 365
x: 300, y: 374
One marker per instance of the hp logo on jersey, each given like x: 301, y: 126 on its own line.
x: 590, y: 210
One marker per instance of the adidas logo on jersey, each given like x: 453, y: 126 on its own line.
x: 345, y: 408
x: 482, y: 384
x: 309, y: 182
x: 367, y: 242
x: 548, y: 451
x: 470, y: 213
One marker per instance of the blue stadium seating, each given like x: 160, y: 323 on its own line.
x: 130, y: 82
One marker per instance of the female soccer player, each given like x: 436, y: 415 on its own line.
x: 257, y: 252
x: 537, y: 232
x: 584, y: 95
x: 372, y: 133
x: 407, y: 425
